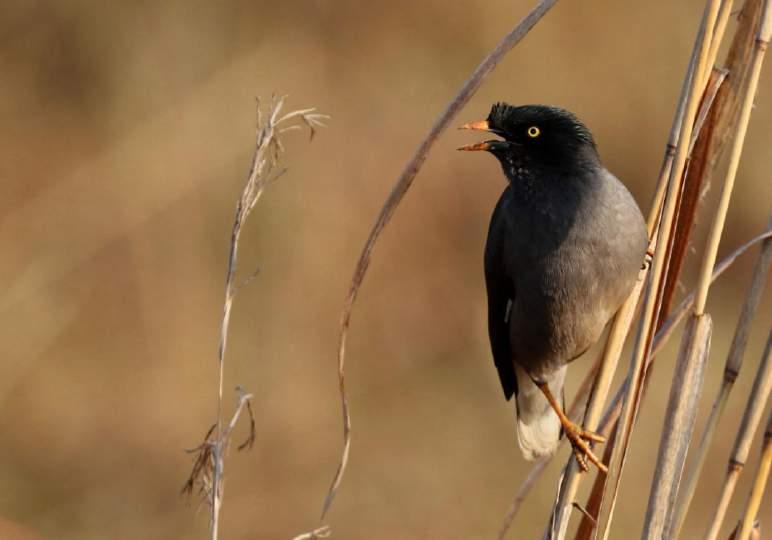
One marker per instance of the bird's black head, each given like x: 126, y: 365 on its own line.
x: 536, y: 138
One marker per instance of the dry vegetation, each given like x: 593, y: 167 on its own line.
x: 703, y: 123
x: 208, y: 471
x: 114, y: 242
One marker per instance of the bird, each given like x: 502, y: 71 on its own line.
x: 565, y: 247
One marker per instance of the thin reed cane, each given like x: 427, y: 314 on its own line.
x: 678, y: 427
x: 621, y: 325
x: 681, y: 414
x: 659, y: 263
x: 697, y: 176
x: 759, y: 485
x: 719, y: 217
x: 398, y: 191
x: 731, y: 371
x: 686, y: 213
x: 750, y: 422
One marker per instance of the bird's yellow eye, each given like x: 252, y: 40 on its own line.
x: 533, y: 132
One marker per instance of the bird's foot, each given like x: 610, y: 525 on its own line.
x: 580, y: 439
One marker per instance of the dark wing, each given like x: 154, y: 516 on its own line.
x: 500, y: 296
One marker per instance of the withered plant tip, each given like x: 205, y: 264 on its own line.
x: 208, y: 466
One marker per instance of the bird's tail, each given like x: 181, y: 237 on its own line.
x: 538, y: 427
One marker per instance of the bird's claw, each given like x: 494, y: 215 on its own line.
x: 579, y: 438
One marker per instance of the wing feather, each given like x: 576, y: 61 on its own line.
x: 501, y: 294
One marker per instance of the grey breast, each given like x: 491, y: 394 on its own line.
x: 567, y: 293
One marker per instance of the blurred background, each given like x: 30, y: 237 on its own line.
x: 126, y: 133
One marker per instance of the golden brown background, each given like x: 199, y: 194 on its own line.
x: 126, y: 130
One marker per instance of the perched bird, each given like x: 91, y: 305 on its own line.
x: 565, y: 246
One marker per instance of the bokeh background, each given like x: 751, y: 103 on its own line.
x: 126, y: 130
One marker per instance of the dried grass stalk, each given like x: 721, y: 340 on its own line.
x: 738, y: 63
x: 619, y: 331
x: 660, y: 262
x: 679, y: 425
x: 713, y: 124
x: 612, y: 412
x: 401, y: 186
x: 686, y: 217
x: 202, y: 476
x: 586, y: 527
x: 750, y: 522
x: 754, y: 410
x: 731, y: 371
x: 263, y: 170
x: 693, y: 185
x: 623, y: 320
x: 719, y: 217
x: 681, y: 413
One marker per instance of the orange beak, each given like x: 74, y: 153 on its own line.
x: 480, y: 125
x: 476, y: 147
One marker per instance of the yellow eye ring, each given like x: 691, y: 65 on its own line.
x: 533, y: 132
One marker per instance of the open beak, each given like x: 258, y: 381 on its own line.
x: 480, y: 125
x: 488, y: 146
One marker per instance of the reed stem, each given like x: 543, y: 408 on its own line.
x: 679, y: 420
x: 759, y: 485
x: 659, y: 263
x: 731, y: 371
x: 754, y: 410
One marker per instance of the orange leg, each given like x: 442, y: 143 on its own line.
x: 576, y: 434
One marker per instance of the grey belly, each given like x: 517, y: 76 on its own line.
x: 561, y: 310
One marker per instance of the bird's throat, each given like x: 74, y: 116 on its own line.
x: 522, y: 177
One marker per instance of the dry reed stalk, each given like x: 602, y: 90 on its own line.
x: 693, y: 186
x: 649, y: 317
x: 611, y: 414
x: 672, y: 170
x: 263, y: 170
x: 718, y: 34
x: 586, y: 526
x: 398, y: 191
x: 619, y: 331
x: 678, y: 427
x: 621, y: 326
x: 749, y: 522
x: 731, y: 371
x: 655, y: 209
x: 680, y: 419
x: 753, y: 411
x: 707, y: 150
x: 719, y: 217
x: 570, y: 483
x: 738, y: 64
x: 681, y: 414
